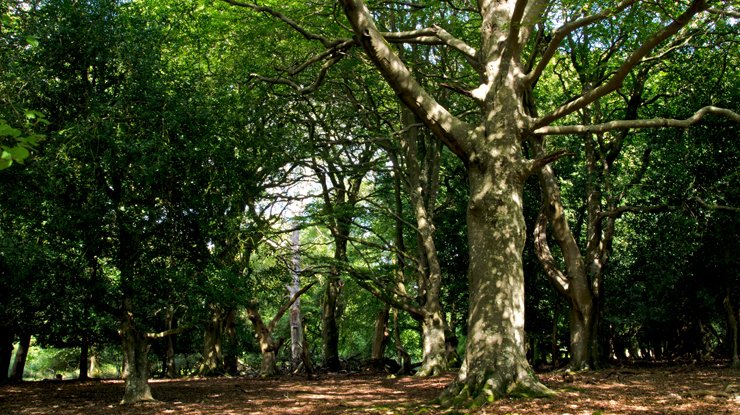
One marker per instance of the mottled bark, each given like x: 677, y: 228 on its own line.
x: 296, y: 322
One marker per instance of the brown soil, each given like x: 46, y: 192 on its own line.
x: 648, y: 391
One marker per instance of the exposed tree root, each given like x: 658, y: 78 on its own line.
x: 477, y: 391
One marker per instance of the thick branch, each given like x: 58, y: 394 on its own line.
x: 445, y: 126
x: 651, y: 123
x: 542, y: 250
x: 633, y: 60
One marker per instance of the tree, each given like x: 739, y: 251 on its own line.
x: 508, y: 61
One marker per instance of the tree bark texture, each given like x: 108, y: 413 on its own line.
x: 268, y: 346
x: 19, y: 362
x: 213, y: 360
x: 296, y: 322
x: 135, y: 356
x: 495, y: 363
x: 380, y: 334
x: 422, y: 176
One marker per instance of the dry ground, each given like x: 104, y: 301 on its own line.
x: 645, y: 391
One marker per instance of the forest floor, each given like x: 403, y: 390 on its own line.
x: 643, y: 390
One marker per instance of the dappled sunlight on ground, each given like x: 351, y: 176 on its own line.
x: 642, y: 391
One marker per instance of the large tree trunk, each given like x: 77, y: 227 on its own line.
x: 135, y: 355
x: 213, y: 362
x: 19, y: 363
x: 495, y: 363
x: 6, y: 353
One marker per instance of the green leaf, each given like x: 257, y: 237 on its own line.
x: 19, y: 153
x: 6, y: 130
x: 32, y: 41
x: 33, y: 139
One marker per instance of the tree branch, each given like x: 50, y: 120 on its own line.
x: 300, y: 88
x: 706, y: 205
x: 294, y: 25
x: 618, y: 212
x: 287, y: 305
x: 730, y: 13
x: 651, y: 123
x: 560, y: 33
x: 452, y: 131
x: 542, y: 250
x: 170, y: 332
x: 621, y: 73
x: 382, y: 294
x: 538, y: 163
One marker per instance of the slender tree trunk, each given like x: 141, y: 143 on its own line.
x: 330, y: 328
x: 404, y: 360
x: 732, y: 330
x: 19, y: 363
x: 93, y: 370
x: 169, y: 363
x: 380, y: 336
x: 296, y: 322
x: 135, y: 355
x: 574, y: 284
x: 554, y: 346
x: 423, y: 179
x: 84, y: 360
x: 6, y: 353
